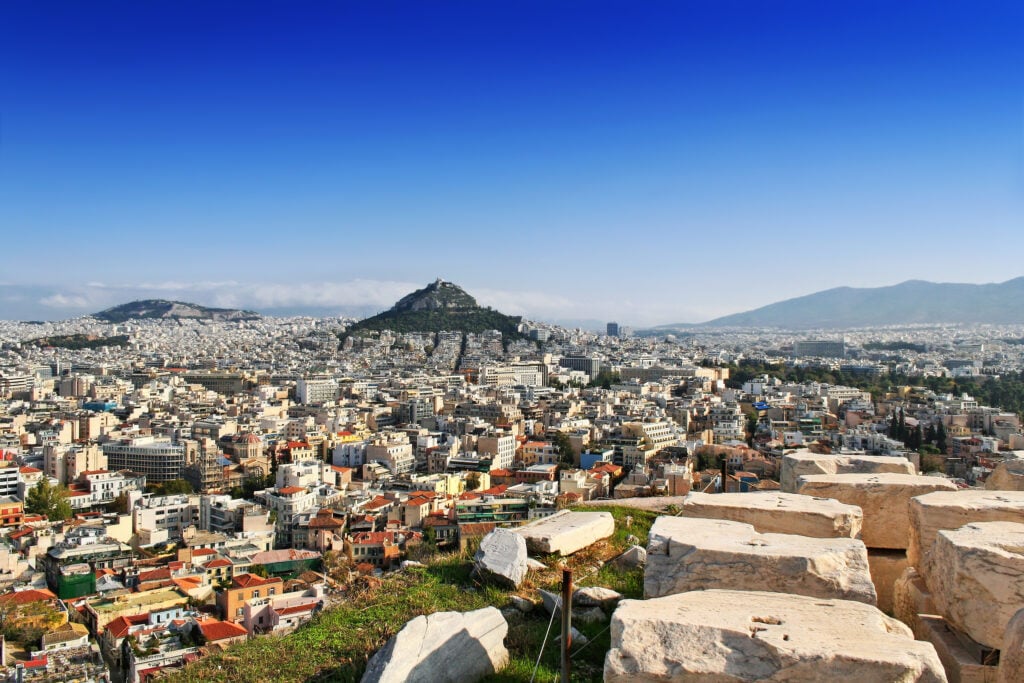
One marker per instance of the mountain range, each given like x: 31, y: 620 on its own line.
x: 908, y: 303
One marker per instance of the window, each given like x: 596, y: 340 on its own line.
x: 239, y: 612
x: 273, y: 591
x: 255, y: 594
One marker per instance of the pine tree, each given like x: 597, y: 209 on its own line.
x: 46, y: 499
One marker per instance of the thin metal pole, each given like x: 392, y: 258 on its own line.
x: 566, y: 622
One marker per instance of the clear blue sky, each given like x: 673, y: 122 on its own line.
x: 647, y: 162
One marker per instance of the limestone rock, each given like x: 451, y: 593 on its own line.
x: 635, y: 556
x: 886, y: 568
x: 911, y: 601
x: 977, y: 578
x: 1007, y: 476
x: 686, y: 554
x: 520, y: 603
x: 566, y: 531
x: 552, y: 601
x: 578, y: 639
x: 933, y: 512
x: 588, y: 615
x: 959, y: 656
x: 1011, y: 659
x: 884, y: 498
x: 446, y: 646
x: 412, y: 564
x: 535, y: 565
x: 781, y: 513
x: 731, y: 636
x: 502, y: 557
x: 803, y: 462
x: 595, y: 596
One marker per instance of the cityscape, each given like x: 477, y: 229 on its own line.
x: 511, y: 342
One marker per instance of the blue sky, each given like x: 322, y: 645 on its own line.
x: 646, y: 162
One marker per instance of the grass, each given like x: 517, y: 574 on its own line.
x: 337, y: 643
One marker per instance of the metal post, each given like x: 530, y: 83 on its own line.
x: 566, y: 622
x: 725, y: 474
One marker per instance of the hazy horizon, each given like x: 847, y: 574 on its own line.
x: 650, y: 164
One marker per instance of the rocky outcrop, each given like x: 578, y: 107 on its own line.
x: 977, y: 578
x: 803, y: 462
x: 933, y: 512
x: 884, y: 498
x: 449, y: 647
x: 502, y: 558
x: 566, y: 532
x: 687, y: 554
x: 1007, y: 476
x: 595, y: 596
x: 776, y: 512
x: 1011, y: 658
x: 723, y: 635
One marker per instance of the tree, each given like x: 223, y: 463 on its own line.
x: 121, y: 504
x: 566, y: 455
x: 46, y: 499
x: 174, y: 487
x: 472, y: 481
x: 940, y: 437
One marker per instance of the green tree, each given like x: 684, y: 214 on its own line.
x: 173, y: 487
x: 940, y: 437
x: 46, y: 499
x: 566, y: 455
x: 121, y: 504
x: 472, y: 481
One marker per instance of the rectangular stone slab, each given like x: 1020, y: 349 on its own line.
x: 796, y: 465
x: 977, y: 578
x: 777, y: 512
x: 933, y: 512
x: 884, y: 498
x: 687, y: 554
x: 566, y: 532
x: 725, y: 635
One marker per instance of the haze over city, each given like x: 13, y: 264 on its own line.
x: 558, y: 160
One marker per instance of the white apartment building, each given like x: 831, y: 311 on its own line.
x: 500, y: 447
x: 393, y: 450
x: 158, y: 519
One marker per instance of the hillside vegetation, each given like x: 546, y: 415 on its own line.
x: 337, y: 643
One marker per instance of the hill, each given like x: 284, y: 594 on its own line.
x: 908, y: 303
x: 80, y: 341
x: 439, y: 307
x: 161, y: 308
x: 337, y: 643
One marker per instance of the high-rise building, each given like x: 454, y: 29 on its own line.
x: 613, y: 329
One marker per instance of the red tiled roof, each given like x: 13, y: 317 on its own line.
x: 249, y: 580
x: 221, y: 630
x: 27, y: 596
x: 290, y: 490
x: 119, y: 627
x: 219, y: 562
x: 296, y: 609
x: 29, y: 470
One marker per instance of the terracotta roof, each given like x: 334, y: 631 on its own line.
x: 27, y: 596
x: 29, y: 470
x: 219, y: 562
x: 249, y: 580
x: 290, y: 490
x: 221, y: 630
x: 118, y: 628
x: 296, y: 609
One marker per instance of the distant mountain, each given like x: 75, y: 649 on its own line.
x: 161, y: 308
x: 440, y: 306
x: 908, y: 303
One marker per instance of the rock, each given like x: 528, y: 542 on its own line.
x: 635, y: 556
x: 886, y: 567
x: 595, y: 596
x: 502, y: 557
x: 884, y: 498
x: 566, y: 531
x: 1007, y: 476
x: 444, y: 646
x: 578, y: 639
x: 535, y: 565
x: 411, y: 564
x: 959, y: 656
x: 1011, y: 658
x: 589, y: 615
x: 777, y: 512
x: 911, y: 601
x: 803, y: 462
x: 731, y: 636
x: 977, y: 578
x: 521, y: 604
x: 686, y: 554
x: 551, y: 601
x: 933, y: 512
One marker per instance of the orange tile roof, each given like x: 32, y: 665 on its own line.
x: 27, y: 596
x: 221, y: 630
x: 290, y: 490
